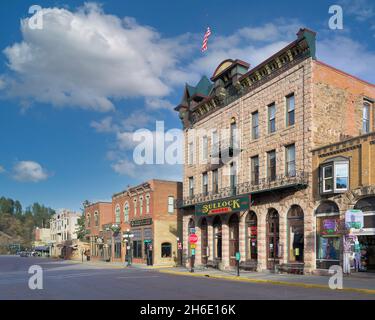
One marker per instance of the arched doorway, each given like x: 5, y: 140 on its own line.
x: 328, y: 238
x: 234, y: 239
x: 204, y: 241
x: 273, y: 238
x: 295, y: 234
x: 217, y: 226
x: 251, y: 236
x: 366, y: 237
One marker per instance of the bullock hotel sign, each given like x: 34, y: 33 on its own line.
x: 222, y: 206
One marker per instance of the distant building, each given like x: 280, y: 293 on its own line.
x: 63, y: 231
x: 42, y: 240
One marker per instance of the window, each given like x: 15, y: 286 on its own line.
x: 290, y: 161
x: 126, y: 212
x: 255, y: 125
x: 233, y: 177
x: 205, y: 148
x: 96, y: 219
x: 137, y: 249
x: 272, y: 118
x: 366, y: 118
x: 271, y: 165
x: 215, y: 143
x: 191, y: 187
x: 88, y: 220
x: 205, y: 183
x: 170, y: 204
x: 117, y: 214
x: 233, y: 134
x: 147, y: 203
x: 215, y: 181
x: 290, y: 106
x: 117, y: 250
x: 255, y: 170
x: 135, y: 206
x: 334, y: 177
x: 191, y: 153
x: 140, y: 205
x: 166, y: 250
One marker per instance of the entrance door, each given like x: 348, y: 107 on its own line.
x: 234, y: 240
x: 217, y: 238
x: 272, y: 239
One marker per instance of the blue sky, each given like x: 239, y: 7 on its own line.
x: 72, y: 93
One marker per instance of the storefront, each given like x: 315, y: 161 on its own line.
x: 328, y: 237
x: 142, y: 241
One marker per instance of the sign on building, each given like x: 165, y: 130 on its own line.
x: 354, y: 219
x: 222, y: 206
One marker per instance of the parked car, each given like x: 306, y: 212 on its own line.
x: 24, y: 254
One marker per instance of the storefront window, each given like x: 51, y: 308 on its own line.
x: 137, y: 249
x: 166, y: 250
x: 252, y: 236
x: 217, y: 225
x: 273, y: 238
x: 295, y: 234
x: 328, y: 239
x: 117, y: 250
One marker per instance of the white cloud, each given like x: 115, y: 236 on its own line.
x: 88, y: 58
x: 348, y: 55
x: 2, y: 170
x: 362, y: 10
x: 29, y: 171
x: 105, y: 125
x: 157, y: 103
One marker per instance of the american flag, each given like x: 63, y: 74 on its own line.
x: 205, y: 39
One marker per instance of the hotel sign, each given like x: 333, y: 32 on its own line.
x: 222, y: 206
x: 140, y: 223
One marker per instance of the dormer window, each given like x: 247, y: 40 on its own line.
x: 334, y: 176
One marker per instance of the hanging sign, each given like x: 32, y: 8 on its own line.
x: 354, y: 219
x: 222, y: 206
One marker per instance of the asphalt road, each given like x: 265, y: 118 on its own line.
x: 66, y: 280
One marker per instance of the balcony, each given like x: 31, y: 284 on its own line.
x: 299, y: 179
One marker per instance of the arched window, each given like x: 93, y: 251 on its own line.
x: 89, y: 220
x: 126, y: 212
x: 217, y: 225
x: 140, y: 205
x: 166, y: 250
x: 252, y: 236
x: 295, y: 234
x: 117, y: 214
x: 147, y: 203
x: 328, y: 237
x: 96, y: 219
x: 135, y: 206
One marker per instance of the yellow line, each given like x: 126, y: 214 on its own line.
x: 275, y: 282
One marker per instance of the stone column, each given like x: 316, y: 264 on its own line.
x: 225, y: 245
x: 283, y: 238
x: 198, y: 246
x: 242, y: 235
x: 185, y: 235
x: 210, y: 240
x: 261, y: 237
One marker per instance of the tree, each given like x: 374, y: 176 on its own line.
x: 81, y: 229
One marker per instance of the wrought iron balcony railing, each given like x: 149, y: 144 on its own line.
x: 300, y: 178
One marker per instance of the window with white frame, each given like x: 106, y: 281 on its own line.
x: 126, y: 212
x: 215, y: 143
x: 366, y: 118
x: 140, y: 205
x: 272, y: 118
x: 96, y: 219
x: 147, y: 203
x: 290, y: 106
x: 117, y: 214
x: 170, y: 204
x: 205, y: 148
x: 135, y: 206
x: 191, y: 187
x: 290, y: 153
x: 334, y: 176
x: 205, y: 183
x: 190, y: 153
x: 255, y: 125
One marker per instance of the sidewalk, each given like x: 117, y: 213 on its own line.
x: 350, y: 283
x: 116, y: 265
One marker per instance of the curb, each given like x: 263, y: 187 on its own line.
x: 263, y: 281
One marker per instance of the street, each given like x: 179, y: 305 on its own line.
x: 72, y: 280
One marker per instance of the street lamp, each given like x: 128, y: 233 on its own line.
x: 128, y: 236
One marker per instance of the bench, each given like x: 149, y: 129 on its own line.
x: 293, y: 268
x: 249, y: 265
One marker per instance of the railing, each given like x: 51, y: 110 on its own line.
x: 300, y: 178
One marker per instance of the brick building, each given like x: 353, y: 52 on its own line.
x: 147, y: 212
x: 98, y: 217
x: 249, y: 133
x: 344, y: 181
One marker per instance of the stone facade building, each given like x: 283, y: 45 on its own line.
x: 148, y: 214
x: 98, y: 217
x: 344, y: 182
x: 249, y: 133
